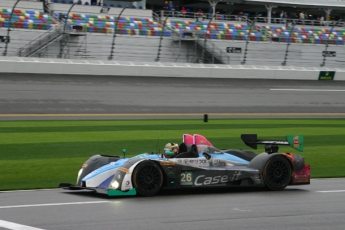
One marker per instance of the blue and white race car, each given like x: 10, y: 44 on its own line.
x: 197, y: 164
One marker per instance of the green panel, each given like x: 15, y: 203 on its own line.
x: 296, y: 142
x: 131, y: 192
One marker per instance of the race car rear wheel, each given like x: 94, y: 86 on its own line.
x: 277, y: 173
x: 147, y: 178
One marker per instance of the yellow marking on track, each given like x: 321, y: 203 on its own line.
x: 170, y: 114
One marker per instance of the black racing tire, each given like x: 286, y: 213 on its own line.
x: 277, y: 173
x: 147, y: 178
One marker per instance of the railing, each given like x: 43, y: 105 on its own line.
x: 214, y: 50
x: 238, y: 18
x: 40, y: 41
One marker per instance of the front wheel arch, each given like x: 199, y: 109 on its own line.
x: 147, y: 178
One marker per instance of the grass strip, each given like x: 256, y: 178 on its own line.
x: 41, y: 154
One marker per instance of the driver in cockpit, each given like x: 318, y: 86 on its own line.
x: 170, y: 150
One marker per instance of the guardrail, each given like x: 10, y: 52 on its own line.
x: 243, y: 18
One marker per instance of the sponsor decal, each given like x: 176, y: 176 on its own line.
x: 122, y: 169
x: 186, y: 178
x: 171, y: 170
x: 296, y: 142
x: 326, y: 75
x: 275, y: 142
x: 236, y: 175
x: 203, y: 180
x: 301, y: 180
x: 195, y: 162
x: 167, y: 163
x: 218, y: 162
x: 84, y: 165
x: 128, y: 183
x: 257, y: 181
x: 233, y: 49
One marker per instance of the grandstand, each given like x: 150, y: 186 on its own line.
x: 87, y: 32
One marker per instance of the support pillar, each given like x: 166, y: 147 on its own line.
x: 328, y: 14
x: 269, y: 12
x: 213, y: 3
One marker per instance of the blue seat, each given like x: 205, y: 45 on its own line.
x: 86, y: 4
x: 119, y: 5
x: 63, y: 2
x: 55, y: 1
x: 133, y: 7
x: 105, y: 4
x: 140, y: 7
x: 214, y: 36
x: 340, y: 42
x: 112, y: 5
x: 94, y: 4
x: 71, y: 2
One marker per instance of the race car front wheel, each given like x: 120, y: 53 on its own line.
x: 147, y: 178
x: 277, y: 173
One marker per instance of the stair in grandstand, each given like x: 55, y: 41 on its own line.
x: 37, y: 45
x: 210, y: 53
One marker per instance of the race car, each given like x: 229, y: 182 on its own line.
x: 197, y: 164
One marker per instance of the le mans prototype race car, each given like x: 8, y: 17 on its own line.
x: 198, y: 164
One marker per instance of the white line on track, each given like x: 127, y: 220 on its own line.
x: 29, y: 190
x: 14, y: 226
x: 52, y: 204
x: 312, y: 90
x: 331, y: 191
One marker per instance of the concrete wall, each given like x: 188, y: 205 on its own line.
x: 19, y: 38
x: 264, y: 53
x: 127, y: 48
x: 158, y: 69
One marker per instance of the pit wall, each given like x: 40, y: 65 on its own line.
x: 161, y: 69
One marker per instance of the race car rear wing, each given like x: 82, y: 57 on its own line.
x: 271, y: 146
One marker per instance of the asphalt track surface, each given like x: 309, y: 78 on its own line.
x: 318, y: 206
x: 27, y: 96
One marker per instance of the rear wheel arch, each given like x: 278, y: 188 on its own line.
x: 277, y: 172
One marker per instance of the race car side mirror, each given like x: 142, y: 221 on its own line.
x: 207, y: 156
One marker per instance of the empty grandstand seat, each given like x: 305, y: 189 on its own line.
x: 133, y: 7
x: 119, y: 5
x: 105, y: 4
x: 112, y: 5
x: 55, y: 1
x: 86, y: 3
x: 63, y: 1
x: 140, y: 7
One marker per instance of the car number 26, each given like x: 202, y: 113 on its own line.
x: 186, y: 178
